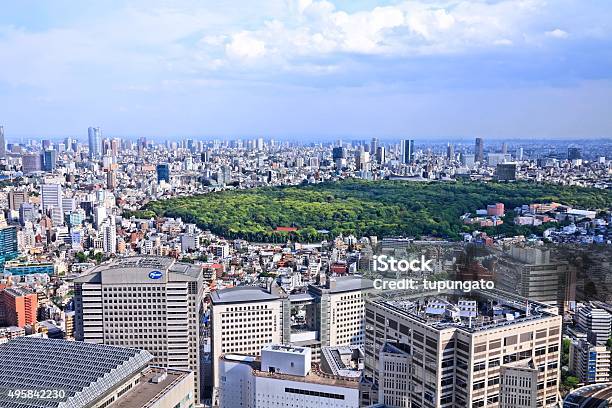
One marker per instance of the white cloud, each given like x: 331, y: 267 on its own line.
x: 556, y: 33
x: 245, y: 46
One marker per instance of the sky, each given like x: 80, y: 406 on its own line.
x: 300, y: 69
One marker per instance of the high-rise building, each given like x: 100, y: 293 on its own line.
x: 407, y: 151
x: 19, y: 306
x: 373, y: 146
x: 51, y: 196
x: 2, y: 143
x: 453, y: 348
x: 16, y: 198
x: 479, y: 150
x: 95, y: 142
x: 31, y: 163
x: 109, y: 236
x: 163, y: 172
x: 49, y: 160
x: 380, y: 155
x: 9, y: 248
x: 530, y: 272
x: 334, y: 316
x: 595, y: 323
x: 504, y: 148
x: 590, y: 363
x: 450, y: 151
x: 505, y: 172
x: 150, y: 303
x: 83, y: 375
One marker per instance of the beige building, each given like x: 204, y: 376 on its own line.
x: 456, y: 349
x: 148, y: 303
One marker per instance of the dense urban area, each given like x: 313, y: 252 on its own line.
x: 242, y: 273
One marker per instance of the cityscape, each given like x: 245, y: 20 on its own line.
x: 151, y: 257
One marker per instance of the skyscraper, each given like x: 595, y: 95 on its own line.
x: 479, y: 150
x: 95, y: 142
x: 374, y: 147
x: 450, y: 151
x: 163, y: 172
x: 145, y: 302
x: 2, y: 143
x: 31, y: 163
x: 51, y: 196
x: 574, y: 153
x: 407, y: 151
x: 8, y: 244
x: 49, y: 159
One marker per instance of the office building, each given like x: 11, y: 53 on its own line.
x: 95, y: 142
x: 381, y: 156
x: 31, y: 163
x: 479, y: 150
x: 9, y: 248
x: 51, y: 197
x: 505, y: 172
x: 27, y: 212
x: 89, y: 376
x: 531, y: 273
x: 590, y: 363
x: 19, y: 306
x: 373, y: 147
x: 163, y: 172
x: 452, y: 348
x: 407, y: 151
x: 16, y: 198
x: 246, y: 318
x: 2, y: 143
x: 595, y: 323
x: 149, y: 303
x: 450, y: 151
x: 283, y: 376
x: 49, y: 160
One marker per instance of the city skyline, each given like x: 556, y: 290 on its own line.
x: 388, y: 69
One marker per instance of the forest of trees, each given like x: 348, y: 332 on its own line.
x: 381, y: 208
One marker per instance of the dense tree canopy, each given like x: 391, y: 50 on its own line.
x: 381, y: 208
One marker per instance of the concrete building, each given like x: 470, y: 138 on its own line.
x: 18, y: 307
x: 244, y: 319
x: 590, y: 363
x: 407, y: 151
x: 454, y: 349
x: 284, y: 377
x: 531, y: 273
x: 83, y: 375
x: 51, y: 196
x: 595, y: 323
x: 149, y: 303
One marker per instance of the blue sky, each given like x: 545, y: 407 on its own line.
x: 307, y: 69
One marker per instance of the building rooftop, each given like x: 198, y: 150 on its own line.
x: 472, y: 311
x: 142, y: 269
x: 344, y: 361
x: 315, y: 376
x: 84, y: 371
x: 154, y: 383
x: 241, y: 294
x: 347, y: 283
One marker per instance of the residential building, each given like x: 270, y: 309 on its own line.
x: 590, y: 363
x: 19, y: 306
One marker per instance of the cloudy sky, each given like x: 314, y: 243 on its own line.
x: 307, y: 68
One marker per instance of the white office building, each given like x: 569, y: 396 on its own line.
x: 283, y: 377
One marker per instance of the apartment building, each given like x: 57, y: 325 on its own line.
x: 457, y: 349
x: 145, y: 302
x: 589, y: 362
